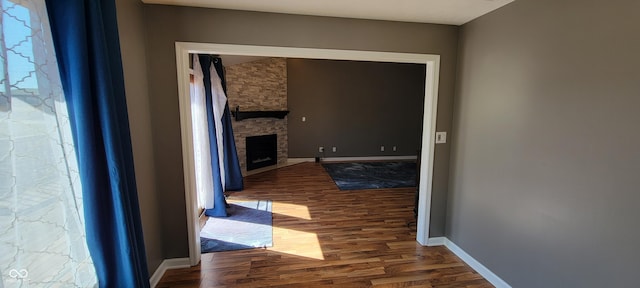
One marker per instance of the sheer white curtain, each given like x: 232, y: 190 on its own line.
x: 42, y: 236
x: 202, y: 154
x: 219, y: 101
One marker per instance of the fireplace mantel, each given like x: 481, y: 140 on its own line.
x: 241, y: 115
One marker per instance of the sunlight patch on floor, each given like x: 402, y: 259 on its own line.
x: 292, y: 210
x: 300, y: 243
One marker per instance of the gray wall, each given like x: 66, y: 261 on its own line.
x: 355, y: 106
x: 544, y: 178
x: 132, y: 46
x: 167, y: 24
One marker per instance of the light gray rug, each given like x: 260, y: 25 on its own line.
x: 249, y: 225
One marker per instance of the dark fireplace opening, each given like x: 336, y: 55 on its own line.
x: 262, y: 151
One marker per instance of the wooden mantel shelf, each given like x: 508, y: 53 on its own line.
x: 241, y: 115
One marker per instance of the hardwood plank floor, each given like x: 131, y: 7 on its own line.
x: 324, y: 237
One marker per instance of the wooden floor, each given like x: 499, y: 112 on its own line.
x: 324, y: 237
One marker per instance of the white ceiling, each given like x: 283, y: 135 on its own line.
x: 453, y: 12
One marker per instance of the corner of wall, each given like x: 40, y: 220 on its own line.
x: 131, y: 26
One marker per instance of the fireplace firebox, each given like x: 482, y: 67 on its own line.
x: 262, y: 151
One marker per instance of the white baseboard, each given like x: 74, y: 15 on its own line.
x: 436, y: 241
x: 292, y: 161
x: 371, y: 158
x: 481, y: 269
x: 173, y: 263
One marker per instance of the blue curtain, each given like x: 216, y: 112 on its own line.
x: 85, y: 36
x: 233, y: 175
x: 219, y: 203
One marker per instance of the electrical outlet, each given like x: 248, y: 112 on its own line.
x: 382, y: 148
x: 321, y: 149
x: 395, y: 148
x: 334, y: 149
x: 441, y: 137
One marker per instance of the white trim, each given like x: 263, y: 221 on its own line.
x: 476, y: 265
x: 273, y: 167
x: 184, y: 101
x: 174, y: 263
x: 371, y: 158
x: 292, y: 161
x: 436, y: 241
x: 309, y: 53
x: 428, y: 147
x: 431, y: 61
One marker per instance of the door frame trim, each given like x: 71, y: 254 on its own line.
x: 432, y: 62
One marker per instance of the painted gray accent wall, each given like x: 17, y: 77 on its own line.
x: 545, y: 162
x: 355, y: 106
x: 167, y: 24
x: 132, y: 46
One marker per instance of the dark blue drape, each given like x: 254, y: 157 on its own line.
x: 219, y: 203
x: 85, y: 36
x: 233, y: 175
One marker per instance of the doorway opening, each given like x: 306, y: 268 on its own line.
x: 432, y: 62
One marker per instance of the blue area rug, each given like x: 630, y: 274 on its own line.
x: 372, y: 175
x: 247, y: 226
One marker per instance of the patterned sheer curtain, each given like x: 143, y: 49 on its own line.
x: 42, y: 236
x: 200, y: 127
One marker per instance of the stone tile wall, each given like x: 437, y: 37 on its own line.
x: 259, y: 86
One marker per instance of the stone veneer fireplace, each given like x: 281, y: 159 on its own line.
x: 259, y: 86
